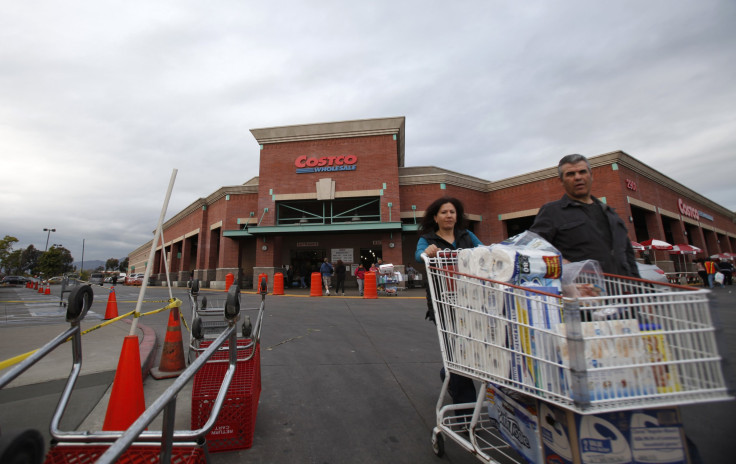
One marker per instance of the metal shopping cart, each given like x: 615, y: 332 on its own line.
x: 640, y: 344
x: 235, y: 425
x: 136, y: 444
x: 388, y: 280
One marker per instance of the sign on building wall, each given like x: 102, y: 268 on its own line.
x: 307, y: 244
x: 345, y: 254
x: 305, y: 164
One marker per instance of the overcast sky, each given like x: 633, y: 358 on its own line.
x: 101, y: 100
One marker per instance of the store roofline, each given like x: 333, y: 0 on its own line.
x: 300, y: 229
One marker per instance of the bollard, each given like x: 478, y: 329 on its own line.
x: 229, y: 279
x: 316, y: 288
x: 278, y: 284
x: 370, y: 290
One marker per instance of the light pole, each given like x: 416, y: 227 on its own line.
x: 47, y: 237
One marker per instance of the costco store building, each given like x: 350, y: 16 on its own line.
x: 341, y: 190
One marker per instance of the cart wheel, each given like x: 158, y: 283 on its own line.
x: 438, y: 443
x: 25, y: 446
x: 247, y: 327
x: 80, y: 300
x: 232, y: 304
x: 197, y: 328
x: 204, y: 302
x: 195, y: 286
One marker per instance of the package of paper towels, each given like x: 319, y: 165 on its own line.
x: 523, y: 266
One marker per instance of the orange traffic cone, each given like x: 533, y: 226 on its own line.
x: 127, y: 402
x: 278, y: 284
x: 111, y: 311
x: 48, y: 288
x: 40, y: 288
x: 370, y: 290
x: 316, y: 288
x: 172, y: 358
x: 35, y: 285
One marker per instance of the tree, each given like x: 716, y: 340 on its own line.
x: 57, y: 260
x: 111, y: 264
x: 29, y: 259
x: 13, y: 262
x: 123, y: 266
x: 6, y: 247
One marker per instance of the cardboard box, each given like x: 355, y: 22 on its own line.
x: 652, y: 436
x: 516, y: 419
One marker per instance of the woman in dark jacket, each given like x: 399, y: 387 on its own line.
x: 340, y: 277
x: 443, y: 227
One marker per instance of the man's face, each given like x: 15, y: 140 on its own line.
x: 577, y: 181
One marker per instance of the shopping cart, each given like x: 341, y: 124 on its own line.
x: 67, y: 285
x: 235, y: 425
x: 136, y: 444
x: 387, y: 280
x: 640, y: 344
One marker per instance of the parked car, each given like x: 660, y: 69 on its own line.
x: 115, y: 279
x: 14, y: 280
x: 652, y: 272
x: 97, y: 278
x: 55, y: 280
x: 134, y: 279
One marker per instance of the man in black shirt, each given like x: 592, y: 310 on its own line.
x: 581, y: 227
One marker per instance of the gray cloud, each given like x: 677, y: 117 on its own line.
x: 102, y: 100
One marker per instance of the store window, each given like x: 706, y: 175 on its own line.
x: 342, y: 210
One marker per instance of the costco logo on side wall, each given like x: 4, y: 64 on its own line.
x: 305, y: 164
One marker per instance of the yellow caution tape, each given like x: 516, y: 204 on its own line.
x: 174, y: 303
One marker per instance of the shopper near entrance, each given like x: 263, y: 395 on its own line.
x: 411, y: 274
x: 726, y: 269
x: 326, y: 270
x: 303, y: 271
x: 711, y: 268
x: 443, y: 227
x: 360, y: 277
x: 340, y: 277
x: 582, y: 227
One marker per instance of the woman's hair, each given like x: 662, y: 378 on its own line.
x: 428, y: 225
x: 339, y: 262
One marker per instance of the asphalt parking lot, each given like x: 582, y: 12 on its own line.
x: 351, y: 380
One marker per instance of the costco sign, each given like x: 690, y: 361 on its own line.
x: 305, y: 164
x: 687, y: 210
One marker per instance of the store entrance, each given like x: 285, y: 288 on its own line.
x: 305, y: 262
x: 370, y: 256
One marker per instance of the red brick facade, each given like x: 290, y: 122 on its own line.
x: 236, y: 229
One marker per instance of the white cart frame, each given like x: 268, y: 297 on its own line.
x: 642, y: 345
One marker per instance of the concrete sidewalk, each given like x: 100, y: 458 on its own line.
x: 31, y: 399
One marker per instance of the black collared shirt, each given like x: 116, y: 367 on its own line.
x: 581, y: 235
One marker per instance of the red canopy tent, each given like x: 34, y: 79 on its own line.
x: 685, y: 249
x: 654, y: 244
x: 637, y: 246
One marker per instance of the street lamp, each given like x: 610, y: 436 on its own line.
x: 47, y: 237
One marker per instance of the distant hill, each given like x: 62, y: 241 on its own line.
x: 89, y: 265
